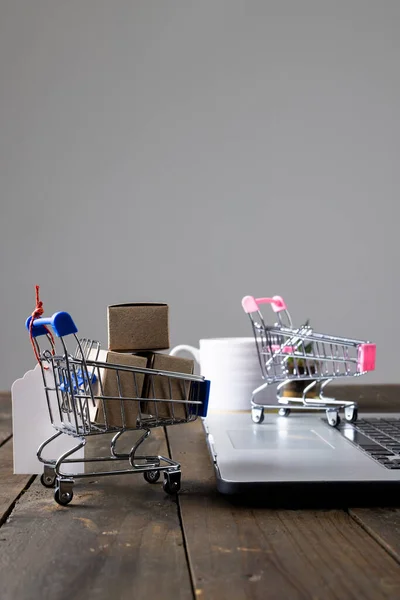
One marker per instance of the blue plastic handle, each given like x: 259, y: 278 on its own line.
x: 205, y: 394
x: 61, y: 323
x: 200, y: 390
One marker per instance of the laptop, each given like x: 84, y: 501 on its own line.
x: 301, y: 461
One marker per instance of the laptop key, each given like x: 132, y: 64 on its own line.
x: 362, y: 440
x: 377, y: 437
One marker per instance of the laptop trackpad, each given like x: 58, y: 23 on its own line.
x: 275, y: 439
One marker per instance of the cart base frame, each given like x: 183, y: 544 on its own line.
x: 150, y: 466
x: 331, y: 406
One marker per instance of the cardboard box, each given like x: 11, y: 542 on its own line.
x: 138, y: 326
x: 158, y: 386
x: 117, y: 383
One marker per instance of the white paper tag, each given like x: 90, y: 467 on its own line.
x: 32, y: 426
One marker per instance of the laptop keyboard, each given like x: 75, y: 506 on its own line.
x: 379, y: 438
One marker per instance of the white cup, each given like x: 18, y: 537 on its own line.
x: 233, y: 368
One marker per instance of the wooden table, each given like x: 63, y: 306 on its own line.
x: 123, y: 538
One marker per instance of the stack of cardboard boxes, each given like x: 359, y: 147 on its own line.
x: 135, y: 332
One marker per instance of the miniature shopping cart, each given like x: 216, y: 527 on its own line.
x: 78, y: 406
x: 290, y: 355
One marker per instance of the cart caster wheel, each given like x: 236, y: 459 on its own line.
x: 257, y: 415
x: 63, y: 498
x: 47, y: 480
x: 351, y: 414
x: 151, y: 476
x: 172, y: 483
x: 333, y: 418
x: 284, y: 412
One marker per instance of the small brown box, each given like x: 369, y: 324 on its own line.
x: 158, y: 386
x: 116, y: 383
x: 138, y: 326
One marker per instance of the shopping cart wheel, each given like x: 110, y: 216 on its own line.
x: 47, y: 481
x: 351, y: 414
x: 48, y: 477
x: 172, y: 482
x: 63, y: 493
x: 284, y: 412
x: 257, y: 415
x: 151, y: 476
x: 333, y: 417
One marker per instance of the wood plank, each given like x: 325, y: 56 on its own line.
x: 119, y: 538
x: 370, y: 397
x: 383, y: 524
x: 10, y: 485
x: 261, y: 553
x: 5, y: 416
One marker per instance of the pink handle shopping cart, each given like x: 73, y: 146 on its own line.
x: 288, y: 355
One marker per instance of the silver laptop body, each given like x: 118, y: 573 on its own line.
x: 301, y: 460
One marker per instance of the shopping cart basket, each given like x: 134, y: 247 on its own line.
x: 78, y: 406
x: 287, y: 355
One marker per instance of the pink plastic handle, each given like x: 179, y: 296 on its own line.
x: 366, y: 358
x: 277, y: 303
x: 251, y: 304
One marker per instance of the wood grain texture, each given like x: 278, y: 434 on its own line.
x: 119, y: 538
x: 5, y: 416
x: 383, y: 524
x: 370, y: 397
x: 10, y: 485
x: 261, y: 553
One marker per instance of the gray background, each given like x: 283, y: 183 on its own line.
x: 194, y: 152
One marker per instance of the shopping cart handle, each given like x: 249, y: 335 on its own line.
x: 251, y: 304
x: 61, y: 323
